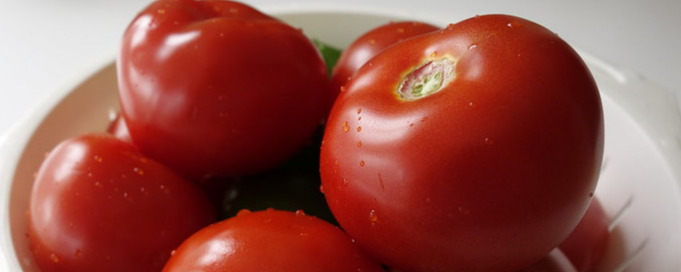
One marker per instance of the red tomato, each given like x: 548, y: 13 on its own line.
x: 473, y: 148
x: 98, y: 205
x: 371, y: 43
x: 213, y: 88
x: 270, y: 240
x: 587, y: 243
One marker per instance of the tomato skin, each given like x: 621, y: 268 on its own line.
x: 371, y: 43
x: 98, y: 205
x: 488, y: 174
x: 587, y: 243
x: 270, y: 240
x: 232, y: 90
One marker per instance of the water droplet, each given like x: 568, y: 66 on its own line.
x: 161, y: 11
x: 300, y: 212
x: 372, y: 41
x: 172, y: 252
x: 514, y: 24
x: 98, y: 158
x: 165, y: 189
x: 234, y: 10
x: 400, y: 30
x: 472, y: 46
x: 359, y: 118
x: 361, y: 163
x: 345, y: 181
x: 373, y: 218
x: 321, y: 188
x: 89, y: 174
x: 470, y: 104
x: 359, y: 110
x: 98, y: 184
x: 464, y: 211
x: 243, y: 212
x: 54, y: 258
x: 488, y: 140
x: 78, y: 253
x: 591, y: 194
x: 359, y: 128
x: 346, y: 127
x: 138, y: 170
x: 359, y: 144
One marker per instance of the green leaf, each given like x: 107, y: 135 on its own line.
x: 329, y: 53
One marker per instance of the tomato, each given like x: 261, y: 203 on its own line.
x: 217, y: 88
x: 371, y: 43
x: 472, y: 148
x: 98, y: 205
x: 270, y: 240
x: 587, y: 243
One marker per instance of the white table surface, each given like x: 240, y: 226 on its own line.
x: 47, y: 44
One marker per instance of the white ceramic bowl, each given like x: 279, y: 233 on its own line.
x: 639, y: 187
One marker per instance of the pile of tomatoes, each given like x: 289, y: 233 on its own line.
x: 474, y: 147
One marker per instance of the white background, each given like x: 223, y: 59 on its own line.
x: 47, y: 44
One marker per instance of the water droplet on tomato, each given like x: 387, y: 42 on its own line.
x: 242, y: 212
x: 138, y: 170
x: 464, y: 211
x: 359, y: 144
x: 359, y: 128
x: 78, y: 253
x: 373, y: 218
x: 361, y: 163
x: 54, y: 258
x: 321, y: 189
x: 98, y: 158
x: 346, y: 127
x: 472, y: 46
x: 514, y: 24
x: 300, y: 212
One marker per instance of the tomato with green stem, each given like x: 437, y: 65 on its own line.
x: 473, y: 148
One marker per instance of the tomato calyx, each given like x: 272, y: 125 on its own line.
x: 427, y: 79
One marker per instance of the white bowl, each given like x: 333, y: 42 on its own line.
x: 640, y: 186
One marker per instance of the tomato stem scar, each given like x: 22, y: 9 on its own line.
x: 427, y: 79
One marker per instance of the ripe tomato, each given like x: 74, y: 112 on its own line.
x: 472, y: 148
x: 270, y: 240
x: 98, y: 205
x: 587, y: 243
x: 371, y: 43
x: 215, y: 88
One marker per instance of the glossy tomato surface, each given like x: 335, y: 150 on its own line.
x: 217, y: 88
x: 371, y: 43
x: 98, y: 205
x: 472, y: 148
x: 270, y: 240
